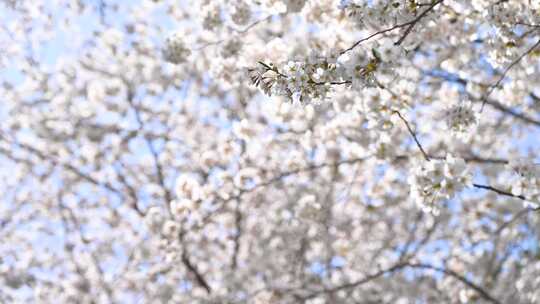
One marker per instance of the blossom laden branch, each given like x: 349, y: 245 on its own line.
x: 239, y: 33
x: 151, y: 147
x: 413, y: 22
x: 486, y: 100
x: 409, y: 25
x: 514, y: 218
x: 457, y: 177
x: 506, y: 70
x: 311, y: 80
x: 435, y: 192
x: 482, y: 291
x: 499, y: 191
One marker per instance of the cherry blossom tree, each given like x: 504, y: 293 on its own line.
x: 270, y: 151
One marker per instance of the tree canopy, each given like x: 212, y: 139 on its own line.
x: 270, y: 151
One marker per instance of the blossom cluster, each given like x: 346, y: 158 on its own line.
x: 311, y: 79
x: 175, y: 49
x: 240, y: 13
x: 435, y: 181
x: 299, y: 81
x: 526, y: 179
x: 378, y: 106
x: 183, y: 209
x: 460, y: 118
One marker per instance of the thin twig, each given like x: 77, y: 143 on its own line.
x: 508, y: 68
x: 410, y: 25
x: 238, y: 31
x: 193, y: 269
x: 155, y: 155
x: 413, y: 22
x: 355, y: 284
x: 55, y: 162
x: 426, y: 156
x: 528, y: 24
x: 237, y: 236
x: 285, y: 174
x: 499, y: 191
x: 373, y: 35
x: 516, y: 217
x: 511, y: 112
x: 70, y: 216
x: 496, y: 105
x: 249, y: 27
x: 168, y: 195
x: 480, y: 290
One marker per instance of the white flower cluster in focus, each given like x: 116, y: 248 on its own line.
x: 438, y: 180
x: 297, y: 80
x: 311, y: 80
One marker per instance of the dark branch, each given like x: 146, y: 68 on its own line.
x: 511, y: 112
x: 155, y: 155
x: 192, y: 269
x: 413, y: 22
x: 516, y: 217
x: 426, y: 156
x: 480, y: 290
x: 508, y: 68
x: 496, y: 105
x: 499, y: 191
x: 355, y: 284
x: 410, y: 25
x: 238, y: 234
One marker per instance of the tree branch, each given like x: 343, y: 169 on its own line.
x: 155, y: 156
x: 514, y: 219
x: 499, y: 191
x: 68, y: 167
x: 192, y: 269
x: 238, y: 234
x: 426, y: 156
x: 355, y: 284
x: 410, y: 25
x: 496, y: 105
x: 480, y: 290
x: 508, y: 68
